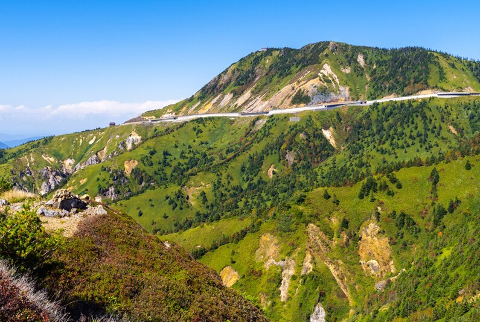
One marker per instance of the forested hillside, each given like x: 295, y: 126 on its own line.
x: 354, y: 213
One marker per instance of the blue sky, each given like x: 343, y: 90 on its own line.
x: 119, y: 57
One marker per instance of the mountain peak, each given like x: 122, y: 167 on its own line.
x: 327, y: 71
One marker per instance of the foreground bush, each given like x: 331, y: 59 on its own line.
x: 23, y: 240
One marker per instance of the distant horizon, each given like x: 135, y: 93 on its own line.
x: 72, y: 66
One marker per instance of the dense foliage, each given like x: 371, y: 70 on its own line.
x: 23, y: 240
x: 112, y: 264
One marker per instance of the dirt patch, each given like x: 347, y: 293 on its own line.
x: 268, y: 248
x: 271, y: 171
x: 390, y: 96
x: 319, y: 246
x: 328, y: 134
x: 229, y: 276
x: 50, y: 160
x: 129, y: 166
x: 259, y: 124
x: 307, y: 266
x: 427, y: 92
x: 83, y: 180
x: 290, y: 157
x: 67, y: 225
x: 452, y: 129
x: 375, y: 252
x: 287, y: 273
x: 361, y: 60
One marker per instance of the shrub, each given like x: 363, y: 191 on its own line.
x: 5, y: 185
x: 23, y: 240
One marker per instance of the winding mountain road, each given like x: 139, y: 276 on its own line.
x: 322, y: 107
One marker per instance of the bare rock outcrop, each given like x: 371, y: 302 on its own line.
x: 132, y: 140
x: 52, y: 179
x: 94, y: 159
x: 320, y: 247
x: 318, y: 314
x: 65, y: 200
x: 375, y: 252
x: 229, y: 276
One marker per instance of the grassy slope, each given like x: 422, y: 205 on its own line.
x: 413, y: 198
x: 112, y: 264
x: 230, y: 145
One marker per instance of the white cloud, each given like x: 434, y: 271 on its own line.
x: 70, y: 117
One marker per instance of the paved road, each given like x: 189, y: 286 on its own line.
x: 323, y: 107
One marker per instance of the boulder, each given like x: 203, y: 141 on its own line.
x: 4, y: 202
x: 42, y: 211
x: 101, y: 211
x: 65, y: 200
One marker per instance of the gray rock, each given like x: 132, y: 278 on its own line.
x: 380, y: 286
x: 101, y: 211
x: 318, y: 314
x: 94, y: 159
x: 64, y: 199
x: 42, y: 211
x: 52, y: 179
x: 4, y: 202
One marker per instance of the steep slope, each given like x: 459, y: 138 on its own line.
x: 110, y: 266
x: 323, y: 213
x: 113, y: 263
x: 43, y: 165
x: 324, y: 72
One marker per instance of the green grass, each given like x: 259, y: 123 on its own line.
x: 207, y: 234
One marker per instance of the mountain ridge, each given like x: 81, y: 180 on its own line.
x: 274, y: 78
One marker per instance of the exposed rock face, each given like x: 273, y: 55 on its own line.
x: 129, y: 166
x: 65, y: 200
x: 268, y: 249
x: 318, y: 314
x: 94, y: 159
x: 132, y: 140
x: 320, y: 246
x: 111, y: 193
x: 229, y: 276
x: 307, y: 266
x: 43, y: 211
x: 290, y: 157
x: 287, y: 273
x: 67, y: 166
x: 52, y: 177
x: 375, y: 252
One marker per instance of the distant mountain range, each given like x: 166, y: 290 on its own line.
x: 19, y: 140
x: 273, y: 78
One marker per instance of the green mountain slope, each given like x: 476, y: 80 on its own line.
x: 323, y: 72
x: 304, y: 215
